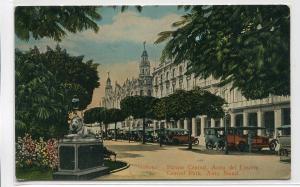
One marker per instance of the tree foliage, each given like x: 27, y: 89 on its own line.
x: 137, y: 106
x: 248, y: 46
x: 93, y: 115
x: 182, y: 104
x: 159, y: 108
x: 54, y: 21
x: 45, y: 85
x: 114, y: 115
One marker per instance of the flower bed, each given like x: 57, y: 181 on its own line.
x: 36, y: 153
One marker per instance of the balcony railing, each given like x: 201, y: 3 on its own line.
x: 265, y: 101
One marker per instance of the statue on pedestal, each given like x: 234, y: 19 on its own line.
x: 81, y: 152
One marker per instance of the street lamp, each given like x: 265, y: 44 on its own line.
x: 75, y: 102
x: 225, y: 125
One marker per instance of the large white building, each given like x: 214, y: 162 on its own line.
x: 270, y: 112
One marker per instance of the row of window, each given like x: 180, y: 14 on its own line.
x: 167, y: 75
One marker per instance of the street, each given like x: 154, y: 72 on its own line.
x: 176, y: 162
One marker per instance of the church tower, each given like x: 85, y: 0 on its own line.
x: 108, y: 86
x: 145, y: 78
x: 144, y: 64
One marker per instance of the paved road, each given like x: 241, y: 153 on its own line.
x: 176, y: 162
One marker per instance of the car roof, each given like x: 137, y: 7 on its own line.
x: 242, y: 128
x: 217, y: 128
x: 175, y: 129
x: 284, y: 127
x: 249, y: 128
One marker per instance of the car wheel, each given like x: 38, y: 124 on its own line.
x: 273, y: 145
x: 209, y: 145
x: 242, y: 146
x: 221, y: 145
x: 196, y: 141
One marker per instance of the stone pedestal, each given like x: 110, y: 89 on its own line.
x: 80, y: 159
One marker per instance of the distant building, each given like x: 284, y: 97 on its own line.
x: 270, y: 112
x: 142, y: 85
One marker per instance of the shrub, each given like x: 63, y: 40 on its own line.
x: 36, y: 153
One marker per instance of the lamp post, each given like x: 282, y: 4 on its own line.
x: 75, y: 103
x: 226, y: 129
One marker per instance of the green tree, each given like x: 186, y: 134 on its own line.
x: 248, y: 46
x: 138, y: 107
x: 95, y: 115
x: 43, y: 95
x: 206, y: 103
x: 159, y: 108
x: 114, y: 115
x: 54, y: 21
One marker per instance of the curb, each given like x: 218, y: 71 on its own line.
x: 120, y: 169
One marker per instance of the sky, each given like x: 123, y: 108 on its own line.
x: 118, y: 45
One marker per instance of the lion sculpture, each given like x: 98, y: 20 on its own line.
x: 78, y: 129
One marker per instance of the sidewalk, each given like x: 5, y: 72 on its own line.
x: 151, y: 161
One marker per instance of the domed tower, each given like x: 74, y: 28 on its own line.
x: 145, y: 63
x: 108, y: 86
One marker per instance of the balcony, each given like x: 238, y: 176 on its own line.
x: 259, y: 102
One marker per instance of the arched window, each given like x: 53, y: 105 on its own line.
x: 149, y: 93
x: 167, y: 76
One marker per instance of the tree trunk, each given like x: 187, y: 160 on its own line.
x: 144, y: 128
x: 115, y: 131
x: 190, y: 133
x: 105, y: 127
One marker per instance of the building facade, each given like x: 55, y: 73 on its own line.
x: 271, y: 112
x: 142, y: 85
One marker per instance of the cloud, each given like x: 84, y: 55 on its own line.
x: 130, y: 26
x: 117, y: 46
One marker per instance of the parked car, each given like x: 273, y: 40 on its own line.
x: 214, y: 138
x: 284, y: 141
x: 178, y: 136
x: 239, y: 137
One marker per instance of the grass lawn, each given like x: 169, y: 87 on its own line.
x: 30, y: 174
x: 37, y: 174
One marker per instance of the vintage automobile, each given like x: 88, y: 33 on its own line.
x: 136, y: 134
x: 239, y: 138
x: 178, y: 136
x: 214, y: 138
x: 284, y: 141
x: 149, y: 135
